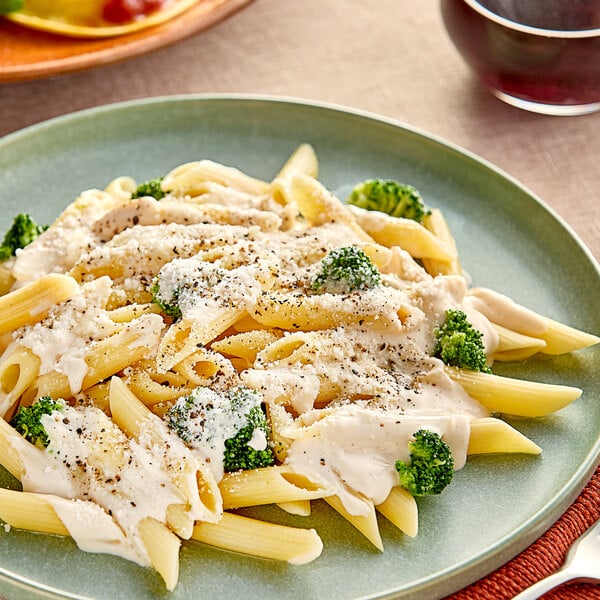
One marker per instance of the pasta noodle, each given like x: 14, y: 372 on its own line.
x: 515, y: 396
x: 436, y: 224
x: 406, y: 233
x: 235, y: 342
x: 366, y: 524
x: 401, y: 509
x: 162, y: 546
x: 267, y: 486
x: 258, y: 538
x: 490, y: 435
x: 31, y: 303
x: 32, y: 512
x: 17, y: 373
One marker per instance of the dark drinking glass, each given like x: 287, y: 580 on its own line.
x: 540, y: 55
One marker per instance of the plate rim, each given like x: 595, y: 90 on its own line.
x: 504, y: 549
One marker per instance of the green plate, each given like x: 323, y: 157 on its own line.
x: 507, y: 239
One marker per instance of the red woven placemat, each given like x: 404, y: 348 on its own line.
x: 545, y: 556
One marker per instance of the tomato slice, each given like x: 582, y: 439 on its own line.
x: 125, y: 11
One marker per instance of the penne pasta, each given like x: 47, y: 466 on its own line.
x: 268, y: 485
x: 32, y: 512
x: 436, y: 223
x: 203, y: 366
x: 184, y: 337
x: 162, y: 547
x: 302, y: 161
x: 296, y: 507
x: 395, y: 261
x: 17, y: 373
x: 258, y: 538
x: 116, y: 352
x: 152, y: 392
x: 513, y: 345
x: 247, y: 344
x: 490, y: 435
x: 248, y: 323
x: 514, y: 396
x: 130, y: 312
x: 509, y: 341
x: 287, y: 347
x: 104, y: 359
x: 366, y: 524
x: 312, y: 313
x: 560, y: 338
x: 10, y: 458
x: 38, y: 512
x: 126, y: 410
x: 319, y: 206
x: 96, y: 395
x: 405, y: 233
x: 121, y: 188
x: 400, y: 508
x: 191, y: 178
x: 195, y: 481
x: 517, y: 354
x: 31, y: 303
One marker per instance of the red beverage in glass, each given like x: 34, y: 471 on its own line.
x: 541, y: 55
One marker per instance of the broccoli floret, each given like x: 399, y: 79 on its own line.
x: 8, y: 6
x: 431, y: 466
x: 27, y: 420
x: 242, y: 452
x: 149, y: 188
x: 168, y: 305
x: 346, y: 270
x: 21, y: 233
x: 230, y: 422
x: 391, y: 197
x: 459, y: 344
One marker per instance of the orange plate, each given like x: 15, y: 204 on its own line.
x: 29, y: 54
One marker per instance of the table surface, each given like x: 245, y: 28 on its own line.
x: 384, y: 56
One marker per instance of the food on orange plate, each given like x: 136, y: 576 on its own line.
x: 94, y: 18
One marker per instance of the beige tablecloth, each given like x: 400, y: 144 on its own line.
x: 390, y: 57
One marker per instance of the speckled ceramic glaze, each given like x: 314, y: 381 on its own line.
x: 507, y: 239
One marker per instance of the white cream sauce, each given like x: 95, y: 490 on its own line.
x: 386, y: 386
x: 63, y: 339
x: 502, y: 310
x: 89, y: 458
x: 59, y: 247
x: 40, y: 474
x: 353, y: 449
x: 93, y: 529
x: 278, y: 385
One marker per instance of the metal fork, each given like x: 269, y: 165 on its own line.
x: 582, y: 562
